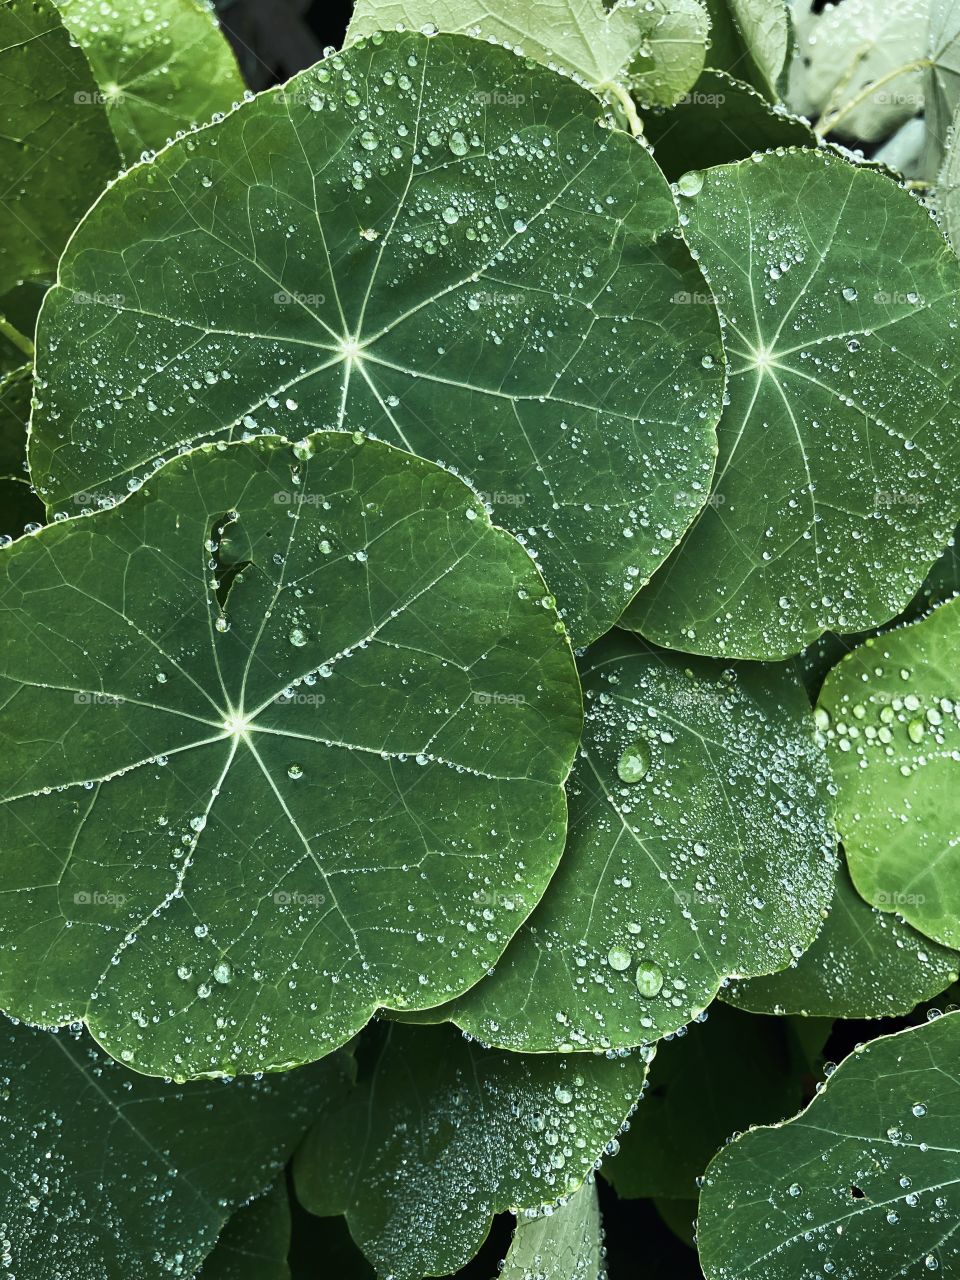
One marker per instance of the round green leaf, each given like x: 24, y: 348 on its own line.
x: 890, y: 713
x: 56, y: 149
x: 255, y: 1242
x: 453, y: 1134
x: 751, y: 39
x: 861, y: 1184
x: 566, y: 1244
x: 656, y: 49
x: 309, y: 723
x: 160, y: 68
x: 864, y: 963
x: 699, y: 849
x: 457, y: 256
x: 838, y: 482
x: 106, y: 1174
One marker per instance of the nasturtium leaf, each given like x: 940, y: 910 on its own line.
x: 446, y: 1134
x: 730, y: 1071
x: 19, y: 505
x: 699, y: 848
x: 838, y: 482
x: 861, y: 1184
x: 941, y: 100
x: 890, y: 713
x: 752, y: 40
x: 721, y: 120
x: 855, y: 44
x: 56, y: 148
x: 458, y: 256
x: 864, y: 963
x: 106, y: 1174
x: 948, y: 185
x: 654, y: 50
x: 159, y: 68
x: 309, y: 722
x: 255, y: 1242
x: 566, y: 1244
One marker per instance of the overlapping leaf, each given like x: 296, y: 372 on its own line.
x: 838, y: 482
x: 159, y: 68
x: 255, y: 1242
x: 891, y: 716
x: 863, y: 1183
x: 453, y: 254
x: 446, y: 1134
x: 18, y: 502
x: 752, y: 40
x: 567, y: 1244
x: 699, y: 848
x: 307, y: 720
x: 109, y: 1175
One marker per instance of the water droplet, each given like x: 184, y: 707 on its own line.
x: 297, y: 638
x: 649, y: 980
x: 223, y: 972
x: 634, y: 763
x: 294, y: 771
x: 618, y: 959
x: 690, y: 184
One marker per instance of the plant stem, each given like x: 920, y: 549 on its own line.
x: 627, y: 106
x: 830, y: 121
x: 16, y: 337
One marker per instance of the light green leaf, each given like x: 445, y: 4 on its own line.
x: 330, y: 782
x: 863, y: 1183
x: 730, y: 1071
x: 19, y: 504
x: 891, y: 717
x: 567, y: 1244
x: 699, y: 848
x: 109, y: 1175
x: 655, y: 50
x: 160, y: 69
x: 255, y: 1242
x: 487, y: 282
x: 455, y: 1134
x: 752, y: 40
x: 721, y: 120
x: 838, y: 482
x: 942, y: 84
x: 56, y: 148
x: 948, y: 184
x: 851, y: 46
x: 864, y: 963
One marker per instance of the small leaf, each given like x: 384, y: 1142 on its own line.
x: 56, y: 149
x: 751, y: 39
x: 942, y: 82
x: 255, y: 1242
x: 312, y: 722
x: 864, y: 963
x: 18, y: 502
x: 754, y: 1078
x: 159, y: 68
x: 838, y: 481
x: 710, y: 857
x: 891, y: 717
x: 863, y: 1183
x: 447, y: 1134
x: 457, y: 256
x: 948, y: 184
x: 110, y: 1174
x: 567, y: 1244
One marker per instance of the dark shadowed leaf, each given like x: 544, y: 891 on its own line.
x: 255, y: 1242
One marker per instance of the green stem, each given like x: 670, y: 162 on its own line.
x: 16, y: 337
x: 627, y: 106
x: 830, y: 121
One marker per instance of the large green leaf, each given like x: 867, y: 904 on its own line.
x: 838, y: 482
x: 699, y: 849
x: 862, y: 1184
x: 891, y: 717
x: 457, y: 256
x: 566, y: 1244
x: 308, y: 724
x: 56, y: 148
x: 728, y: 1072
x: 447, y: 1134
x: 160, y: 68
x: 109, y: 1175
x: 654, y: 50
x: 864, y: 963
x: 255, y: 1242
x: 752, y: 40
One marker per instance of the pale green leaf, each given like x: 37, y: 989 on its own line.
x: 56, y: 148
x: 862, y: 1184
x: 864, y: 963
x: 838, y: 482
x: 655, y: 49
x: 948, y: 184
x: 699, y: 848
x: 942, y: 84
x: 566, y: 1244
x: 752, y: 40
x: 255, y: 1242
x: 160, y: 68
x: 311, y: 724
x: 453, y: 1134
x: 453, y: 253
x: 110, y: 1175
x: 891, y: 717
